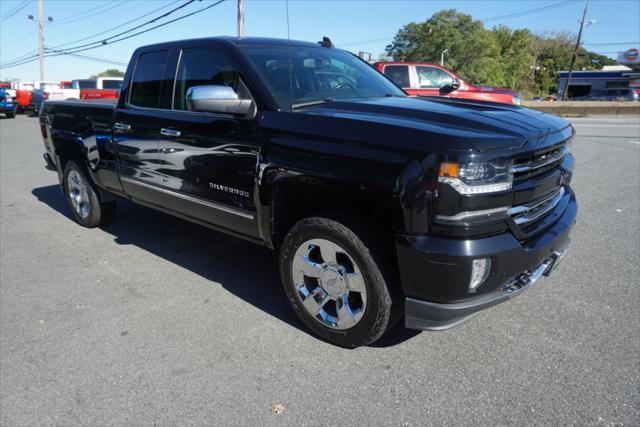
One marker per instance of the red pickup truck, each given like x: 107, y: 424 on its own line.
x: 101, y: 88
x: 427, y: 79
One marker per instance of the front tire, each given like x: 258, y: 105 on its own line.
x: 10, y: 114
x: 83, y: 197
x: 340, y: 287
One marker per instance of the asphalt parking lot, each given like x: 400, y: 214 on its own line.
x: 155, y: 320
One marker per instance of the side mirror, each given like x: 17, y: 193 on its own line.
x: 455, y: 85
x: 217, y: 99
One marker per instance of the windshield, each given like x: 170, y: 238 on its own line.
x: 317, y: 75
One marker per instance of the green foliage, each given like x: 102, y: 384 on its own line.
x: 501, y: 56
x: 111, y: 72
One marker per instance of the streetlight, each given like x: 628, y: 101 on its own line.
x: 442, y: 57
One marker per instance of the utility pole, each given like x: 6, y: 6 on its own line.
x: 240, y: 18
x: 575, y: 52
x: 40, y: 40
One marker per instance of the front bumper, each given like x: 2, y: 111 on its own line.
x: 435, y: 271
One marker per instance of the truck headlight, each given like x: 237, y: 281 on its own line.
x: 477, y: 177
x: 516, y: 100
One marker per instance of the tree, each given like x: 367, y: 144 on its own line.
x: 471, y: 49
x: 111, y: 72
x: 516, y: 58
x: 501, y: 56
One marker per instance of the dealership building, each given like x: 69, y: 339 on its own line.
x: 624, y: 75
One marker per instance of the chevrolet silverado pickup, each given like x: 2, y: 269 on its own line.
x: 382, y: 207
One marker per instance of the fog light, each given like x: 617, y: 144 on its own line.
x: 479, y: 272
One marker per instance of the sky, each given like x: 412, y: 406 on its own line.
x: 357, y: 25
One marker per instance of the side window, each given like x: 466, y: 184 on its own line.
x: 111, y: 84
x: 399, y: 74
x: 432, y: 78
x: 202, y: 67
x: 147, y: 79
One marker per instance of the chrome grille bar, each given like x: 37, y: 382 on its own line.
x: 524, y: 214
x: 541, y: 161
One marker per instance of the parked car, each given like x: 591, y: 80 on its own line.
x: 620, y: 94
x: 10, y: 92
x: 38, y: 96
x: 382, y: 206
x: 101, y: 88
x: 22, y: 95
x: 7, y: 104
x: 428, y: 79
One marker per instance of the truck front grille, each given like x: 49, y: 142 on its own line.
x: 538, y: 180
x: 539, y: 163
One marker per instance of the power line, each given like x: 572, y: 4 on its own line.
x: 27, y: 56
x: 75, y: 49
x: 119, y: 26
x: 609, y: 44
x: 96, y: 58
x: 367, y: 41
x: 494, y: 18
x: 530, y: 11
x: 87, y: 13
x: 15, y: 10
x: 18, y: 40
x: 106, y: 40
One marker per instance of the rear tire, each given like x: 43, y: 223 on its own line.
x: 339, y: 283
x: 83, y: 197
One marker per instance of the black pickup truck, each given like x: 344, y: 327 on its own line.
x: 382, y: 206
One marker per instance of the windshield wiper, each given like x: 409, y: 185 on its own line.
x: 311, y: 103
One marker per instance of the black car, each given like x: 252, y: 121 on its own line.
x: 383, y: 207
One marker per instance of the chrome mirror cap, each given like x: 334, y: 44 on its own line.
x: 217, y: 99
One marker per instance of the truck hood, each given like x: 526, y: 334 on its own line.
x: 485, y: 125
x: 489, y: 89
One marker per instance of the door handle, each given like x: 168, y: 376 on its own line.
x: 170, y: 132
x: 123, y: 127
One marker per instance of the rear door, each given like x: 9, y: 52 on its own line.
x: 136, y: 128
x: 208, y: 160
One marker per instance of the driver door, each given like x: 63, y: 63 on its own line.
x: 430, y: 81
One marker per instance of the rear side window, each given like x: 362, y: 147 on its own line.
x: 147, y: 79
x: 399, y: 74
x: 111, y: 84
x: 202, y: 67
x: 85, y: 84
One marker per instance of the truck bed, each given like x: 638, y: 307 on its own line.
x: 73, y: 120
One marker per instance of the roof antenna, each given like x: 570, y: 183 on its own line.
x: 240, y: 19
x: 326, y: 42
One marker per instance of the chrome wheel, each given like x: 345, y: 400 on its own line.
x: 78, y: 193
x: 329, y: 284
